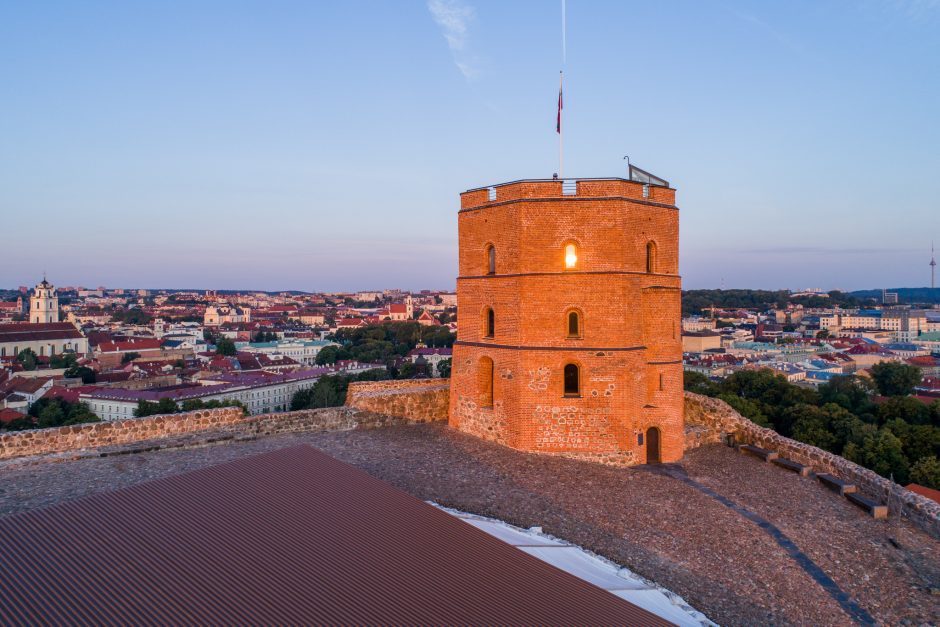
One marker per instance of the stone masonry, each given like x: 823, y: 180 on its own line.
x: 421, y: 400
x: 720, y: 420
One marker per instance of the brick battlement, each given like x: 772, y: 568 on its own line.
x: 550, y: 189
x: 569, y: 301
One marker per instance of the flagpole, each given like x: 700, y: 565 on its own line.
x: 561, y: 136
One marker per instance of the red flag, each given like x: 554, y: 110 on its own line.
x: 558, y: 122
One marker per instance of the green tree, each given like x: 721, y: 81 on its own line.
x: 926, y: 472
x: 882, y: 452
x: 811, y: 425
x: 129, y: 357
x: 846, y: 427
x: 748, y: 408
x: 225, y: 346
x: 86, y: 374
x: 327, y: 355
x: 700, y: 384
x: 27, y: 359
x: 848, y: 391
x: 894, y: 378
x: 52, y: 415
x: 197, y: 403
x: 906, y: 408
x: 63, y: 360
x: 163, y: 406
x: 443, y: 368
x: 132, y: 316
x: 56, y: 412
x: 328, y: 391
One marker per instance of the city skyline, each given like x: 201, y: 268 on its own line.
x: 324, y: 148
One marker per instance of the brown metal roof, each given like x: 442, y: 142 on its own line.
x: 288, y: 537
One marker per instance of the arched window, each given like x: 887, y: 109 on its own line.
x: 485, y: 379
x: 573, y: 324
x: 490, y: 259
x: 572, y: 380
x: 571, y: 256
x: 489, y: 322
x: 651, y: 257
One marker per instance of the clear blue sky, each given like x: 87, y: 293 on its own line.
x: 322, y: 145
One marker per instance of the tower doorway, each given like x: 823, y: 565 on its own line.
x: 652, y: 445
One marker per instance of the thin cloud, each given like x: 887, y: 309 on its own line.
x: 454, y: 19
x: 767, y: 28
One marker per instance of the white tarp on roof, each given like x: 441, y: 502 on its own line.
x: 592, y: 568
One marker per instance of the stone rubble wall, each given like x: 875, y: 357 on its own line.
x: 721, y: 419
x: 220, y: 422
x: 413, y: 400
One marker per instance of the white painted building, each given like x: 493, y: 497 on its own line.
x: 302, y: 351
x: 260, y: 392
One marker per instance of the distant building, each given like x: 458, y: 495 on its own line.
x: 44, y: 304
x: 700, y: 341
x: 302, y: 351
x: 696, y: 323
x: 432, y: 357
x: 260, y: 392
x: 44, y: 339
x: 217, y: 315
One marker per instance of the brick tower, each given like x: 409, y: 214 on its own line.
x: 569, y: 308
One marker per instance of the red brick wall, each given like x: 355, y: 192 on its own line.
x: 630, y: 344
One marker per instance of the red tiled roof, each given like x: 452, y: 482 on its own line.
x: 130, y: 345
x: 348, y: 549
x: 930, y: 493
x: 38, y: 332
x: 9, y: 415
x: 23, y: 385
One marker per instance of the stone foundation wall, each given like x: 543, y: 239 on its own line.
x: 419, y: 400
x: 225, y: 421
x: 719, y: 418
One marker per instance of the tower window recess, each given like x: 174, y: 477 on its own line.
x: 489, y: 322
x: 490, y: 259
x: 569, y: 187
x: 491, y: 193
x: 651, y: 257
x: 571, y: 256
x: 485, y: 376
x: 572, y: 376
x: 573, y: 327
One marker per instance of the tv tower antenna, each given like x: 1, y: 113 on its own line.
x: 933, y: 268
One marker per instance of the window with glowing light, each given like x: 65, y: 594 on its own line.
x: 571, y: 256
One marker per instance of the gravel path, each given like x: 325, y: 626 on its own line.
x: 724, y: 564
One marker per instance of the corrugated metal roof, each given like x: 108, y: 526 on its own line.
x: 288, y: 537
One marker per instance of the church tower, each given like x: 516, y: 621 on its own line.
x: 44, y: 304
x: 569, y: 309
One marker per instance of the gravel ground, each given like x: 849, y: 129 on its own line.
x: 723, y: 564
